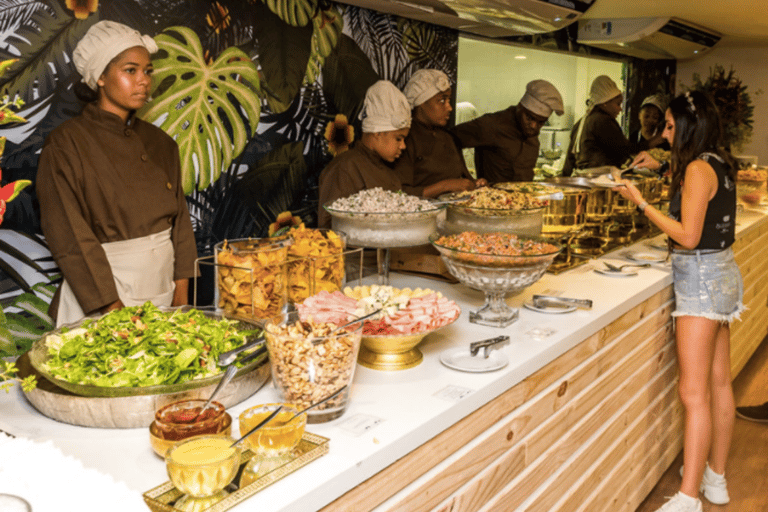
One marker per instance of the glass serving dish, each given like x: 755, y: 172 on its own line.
x: 308, y: 366
x: 181, y: 420
x: 280, y: 435
x: 386, y: 230
x: 315, y: 262
x: 38, y: 356
x: 250, y: 276
x: 497, y: 276
x: 201, y: 467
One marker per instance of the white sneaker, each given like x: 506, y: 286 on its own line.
x: 681, y: 503
x: 714, y: 486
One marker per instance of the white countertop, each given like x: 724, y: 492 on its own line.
x: 390, y: 413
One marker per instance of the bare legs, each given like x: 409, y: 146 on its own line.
x: 703, y: 352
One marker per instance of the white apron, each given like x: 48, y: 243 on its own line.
x: 143, y: 271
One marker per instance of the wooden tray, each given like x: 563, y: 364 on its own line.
x: 128, y: 411
x: 311, y: 446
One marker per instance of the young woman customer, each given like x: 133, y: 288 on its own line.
x: 708, y: 289
x: 112, y: 207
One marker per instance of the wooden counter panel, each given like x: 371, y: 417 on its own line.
x: 601, y: 352
x: 569, y: 441
x: 749, y: 332
x: 604, y: 418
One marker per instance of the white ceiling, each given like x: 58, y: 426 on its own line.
x: 742, y: 23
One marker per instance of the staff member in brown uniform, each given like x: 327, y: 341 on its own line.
x: 597, y: 139
x: 386, y: 118
x: 507, y: 142
x: 431, y: 163
x: 112, y: 207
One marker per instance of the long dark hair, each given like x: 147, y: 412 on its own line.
x: 697, y: 130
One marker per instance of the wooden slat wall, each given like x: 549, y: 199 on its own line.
x: 751, y: 253
x: 593, y: 430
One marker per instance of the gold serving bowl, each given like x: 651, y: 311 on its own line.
x: 391, y: 351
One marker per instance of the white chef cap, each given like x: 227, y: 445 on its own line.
x: 103, y: 42
x: 603, y: 89
x: 424, y: 84
x: 385, y: 108
x: 541, y: 98
x: 657, y: 100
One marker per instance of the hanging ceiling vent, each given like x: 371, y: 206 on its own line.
x: 648, y: 38
x: 489, y: 18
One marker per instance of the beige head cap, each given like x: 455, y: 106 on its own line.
x: 603, y: 89
x: 657, y: 100
x: 103, y: 42
x: 541, y: 98
x: 424, y: 84
x: 385, y: 109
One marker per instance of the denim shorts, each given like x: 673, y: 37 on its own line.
x: 707, y: 284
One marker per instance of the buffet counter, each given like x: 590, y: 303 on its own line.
x: 584, y: 414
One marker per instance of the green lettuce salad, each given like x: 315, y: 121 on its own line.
x: 143, y: 346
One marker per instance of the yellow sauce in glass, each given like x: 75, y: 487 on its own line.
x: 278, y: 436
x: 203, y: 451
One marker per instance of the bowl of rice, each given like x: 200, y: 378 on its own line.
x: 380, y: 218
x: 490, y: 210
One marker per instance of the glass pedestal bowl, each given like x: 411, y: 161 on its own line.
x: 497, y: 276
x: 201, y: 467
x: 382, y: 231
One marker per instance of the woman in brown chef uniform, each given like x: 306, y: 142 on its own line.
x: 507, y: 142
x: 386, y: 118
x: 431, y: 163
x: 597, y: 139
x: 112, y: 208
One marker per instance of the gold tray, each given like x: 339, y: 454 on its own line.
x: 311, y: 446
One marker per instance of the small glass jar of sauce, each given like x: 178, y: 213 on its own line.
x: 183, y: 419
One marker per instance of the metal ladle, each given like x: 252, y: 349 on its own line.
x: 231, y: 371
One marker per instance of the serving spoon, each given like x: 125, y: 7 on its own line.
x: 342, y: 388
x: 318, y: 339
x: 257, y: 427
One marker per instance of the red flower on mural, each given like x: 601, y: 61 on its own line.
x: 9, y: 192
x: 339, y: 134
x: 82, y: 8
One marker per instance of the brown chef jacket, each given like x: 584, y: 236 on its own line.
x: 502, y: 152
x: 100, y: 180
x: 430, y: 156
x: 354, y: 170
x: 602, y: 142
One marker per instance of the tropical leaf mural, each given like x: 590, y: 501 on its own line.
x: 296, y: 13
x: 211, y: 110
x: 43, y: 44
x: 283, y: 56
x: 328, y: 25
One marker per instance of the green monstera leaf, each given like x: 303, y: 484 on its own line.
x: 296, y: 13
x: 211, y: 110
x: 283, y: 58
x: 328, y: 26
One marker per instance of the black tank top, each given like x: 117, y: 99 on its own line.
x: 720, y: 220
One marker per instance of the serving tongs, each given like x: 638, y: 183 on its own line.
x: 486, y: 345
x: 541, y: 301
x: 227, y: 358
